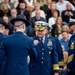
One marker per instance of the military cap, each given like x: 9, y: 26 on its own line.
x: 71, y: 24
x: 47, y: 26
x: 2, y: 22
x: 40, y: 25
x: 19, y: 18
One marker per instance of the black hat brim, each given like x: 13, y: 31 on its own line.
x: 5, y: 24
x: 12, y: 21
x: 71, y: 23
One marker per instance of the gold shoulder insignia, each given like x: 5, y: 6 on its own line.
x: 70, y: 58
x: 72, y: 46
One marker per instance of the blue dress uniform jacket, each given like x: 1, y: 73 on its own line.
x: 47, y: 59
x: 71, y: 52
x: 17, y: 47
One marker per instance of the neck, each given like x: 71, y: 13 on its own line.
x: 19, y: 30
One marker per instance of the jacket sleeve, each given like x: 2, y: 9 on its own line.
x: 33, y: 52
x: 55, y: 59
x: 71, y: 55
x: 59, y: 52
x: 2, y: 53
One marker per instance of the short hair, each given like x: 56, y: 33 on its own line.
x: 65, y: 28
x: 37, y: 4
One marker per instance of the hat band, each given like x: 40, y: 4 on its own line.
x: 19, y: 25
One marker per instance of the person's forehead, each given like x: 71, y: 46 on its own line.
x: 22, y: 3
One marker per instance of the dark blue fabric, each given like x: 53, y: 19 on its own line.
x: 71, y: 65
x: 47, y: 57
x: 17, y: 47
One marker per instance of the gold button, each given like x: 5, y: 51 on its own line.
x: 41, y: 62
x: 42, y: 53
x: 42, y: 48
x: 42, y: 58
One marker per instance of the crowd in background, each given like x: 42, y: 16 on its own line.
x: 57, y: 13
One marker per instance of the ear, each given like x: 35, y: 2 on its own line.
x: 3, y: 27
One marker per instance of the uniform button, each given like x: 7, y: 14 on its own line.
x: 42, y: 58
x: 42, y: 53
x: 49, y: 52
x: 42, y: 48
x: 41, y: 62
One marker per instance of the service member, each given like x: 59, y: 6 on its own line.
x: 71, y: 51
x: 47, y: 60
x: 3, y: 27
x: 17, y: 47
x: 58, y: 47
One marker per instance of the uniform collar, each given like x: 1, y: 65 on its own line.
x: 1, y: 33
x: 43, y: 39
x: 19, y: 32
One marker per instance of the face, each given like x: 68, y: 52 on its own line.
x: 73, y: 1
x: 5, y: 18
x: 2, y: 29
x: 46, y: 32
x: 59, y: 20
x: 37, y: 13
x: 53, y: 6
x: 13, y: 13
x: 68, y: 6
x: 72, y: 28
x: 41, y: 34
x: 22, y: 6
x: 65, y: 35
x: 37, y: 7
x: 49, y: 1
x: 55, y: 14
x: 5, y: 7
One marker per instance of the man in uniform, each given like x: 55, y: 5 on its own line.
x: 58, y: 47
x: 17, y: 47
x: 71, y: 51
x: 47, y: 60
x: 3, y: 27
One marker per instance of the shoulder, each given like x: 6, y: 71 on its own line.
x: 30, y: 39
x: 54, y: 26
x: 41, y: 11
x: 35, y: 37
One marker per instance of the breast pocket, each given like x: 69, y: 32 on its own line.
x: 50, y: 49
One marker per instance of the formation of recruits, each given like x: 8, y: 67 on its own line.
x: 45, y: 52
